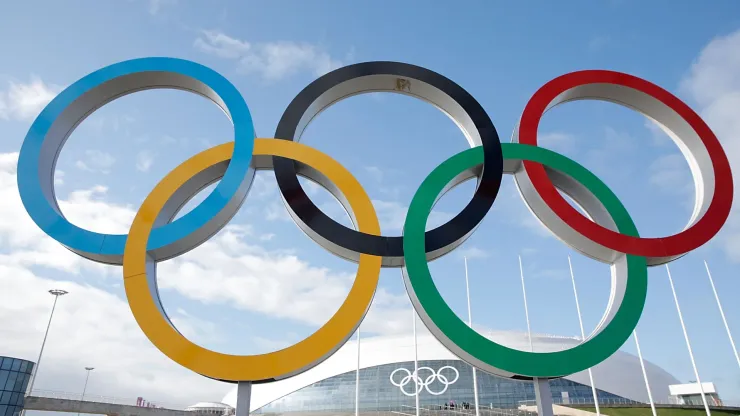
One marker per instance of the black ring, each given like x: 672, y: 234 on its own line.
x: 392, y: 77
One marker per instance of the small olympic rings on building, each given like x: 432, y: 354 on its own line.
x: 421, y: 384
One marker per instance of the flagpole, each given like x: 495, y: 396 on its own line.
x: 542, y: 391
x: 583, y: 337
x: 526, y: 309
x: 357, y: 376
x: 688, y: 344
x: 722, y: 313
x: 644, y: 373
x: 416, y: 362
x: 470, y: 324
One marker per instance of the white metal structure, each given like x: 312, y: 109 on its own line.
x: 689, y: 393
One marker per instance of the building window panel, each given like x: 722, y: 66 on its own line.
x: 11, y: 381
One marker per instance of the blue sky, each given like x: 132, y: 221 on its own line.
x: 261, y: 284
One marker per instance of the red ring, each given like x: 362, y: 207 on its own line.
x: 696, y: 235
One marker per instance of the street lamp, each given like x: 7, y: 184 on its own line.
x: 84, y: 389
x: 56, y: 293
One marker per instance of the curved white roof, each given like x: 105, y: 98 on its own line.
x: 621, y: 374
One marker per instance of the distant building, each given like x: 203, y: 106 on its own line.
x: 691, y: 394
x: 211, y: 408
x: 14, y: 377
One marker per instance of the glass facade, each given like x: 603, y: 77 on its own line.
x: 442, y: 385
x: 14, y: 377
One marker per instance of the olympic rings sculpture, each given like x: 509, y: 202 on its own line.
x: 607, y: 234
x: 424, y: 384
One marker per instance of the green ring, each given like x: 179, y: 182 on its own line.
x: 441, y: 320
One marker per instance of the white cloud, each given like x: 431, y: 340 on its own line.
x: 144, y: 161
x: 392, y: 216
x: 714, y: 74
x: 472, y: 252
x: 375, y: 172
x: 276, y: 211
x: 271, y: 60
x: 554, y: 274
x: 310, y: 187
x: 270, y: 344
x: 558, y: 141
x: 250, y: 278
x: 30, y: 246
x: 221, y: 45
x: 512, y: 210
x: 598, y: 43
x: 614, y: 144
x: 267, y: 237
x: 96, y: 161
x: 670, y: 173
x: 386, y: 176
x: 659, y: 137
x: 24, y: 101
x: 155, y: 6
x: 713, y: 82
x: 91, y: 327
x: 59, y: 177
x: 196, y: 329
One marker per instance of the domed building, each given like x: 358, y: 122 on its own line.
x: 211, y: 408
x: 387, y: 363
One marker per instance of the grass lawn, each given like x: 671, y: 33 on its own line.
x: 645, y: 411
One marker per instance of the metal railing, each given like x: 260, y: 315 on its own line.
x: 53, y: 394
x: 440, y: 410
x: 581, y: 401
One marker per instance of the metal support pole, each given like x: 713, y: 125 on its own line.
x: 243, y: 398
x: 644, y: 373
x: 470, y: 324
x: 722, y: 313
x: 543, y: 395
x: 415, y: 378
x: 56, y: 293
x: 688, y: 344
x: 357, y: 376
x: 84, y: 389
x: 583, y: 337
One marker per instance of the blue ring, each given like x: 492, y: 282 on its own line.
x: 110, y: 247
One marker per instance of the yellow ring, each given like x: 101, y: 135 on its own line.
x: 271, y: 366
